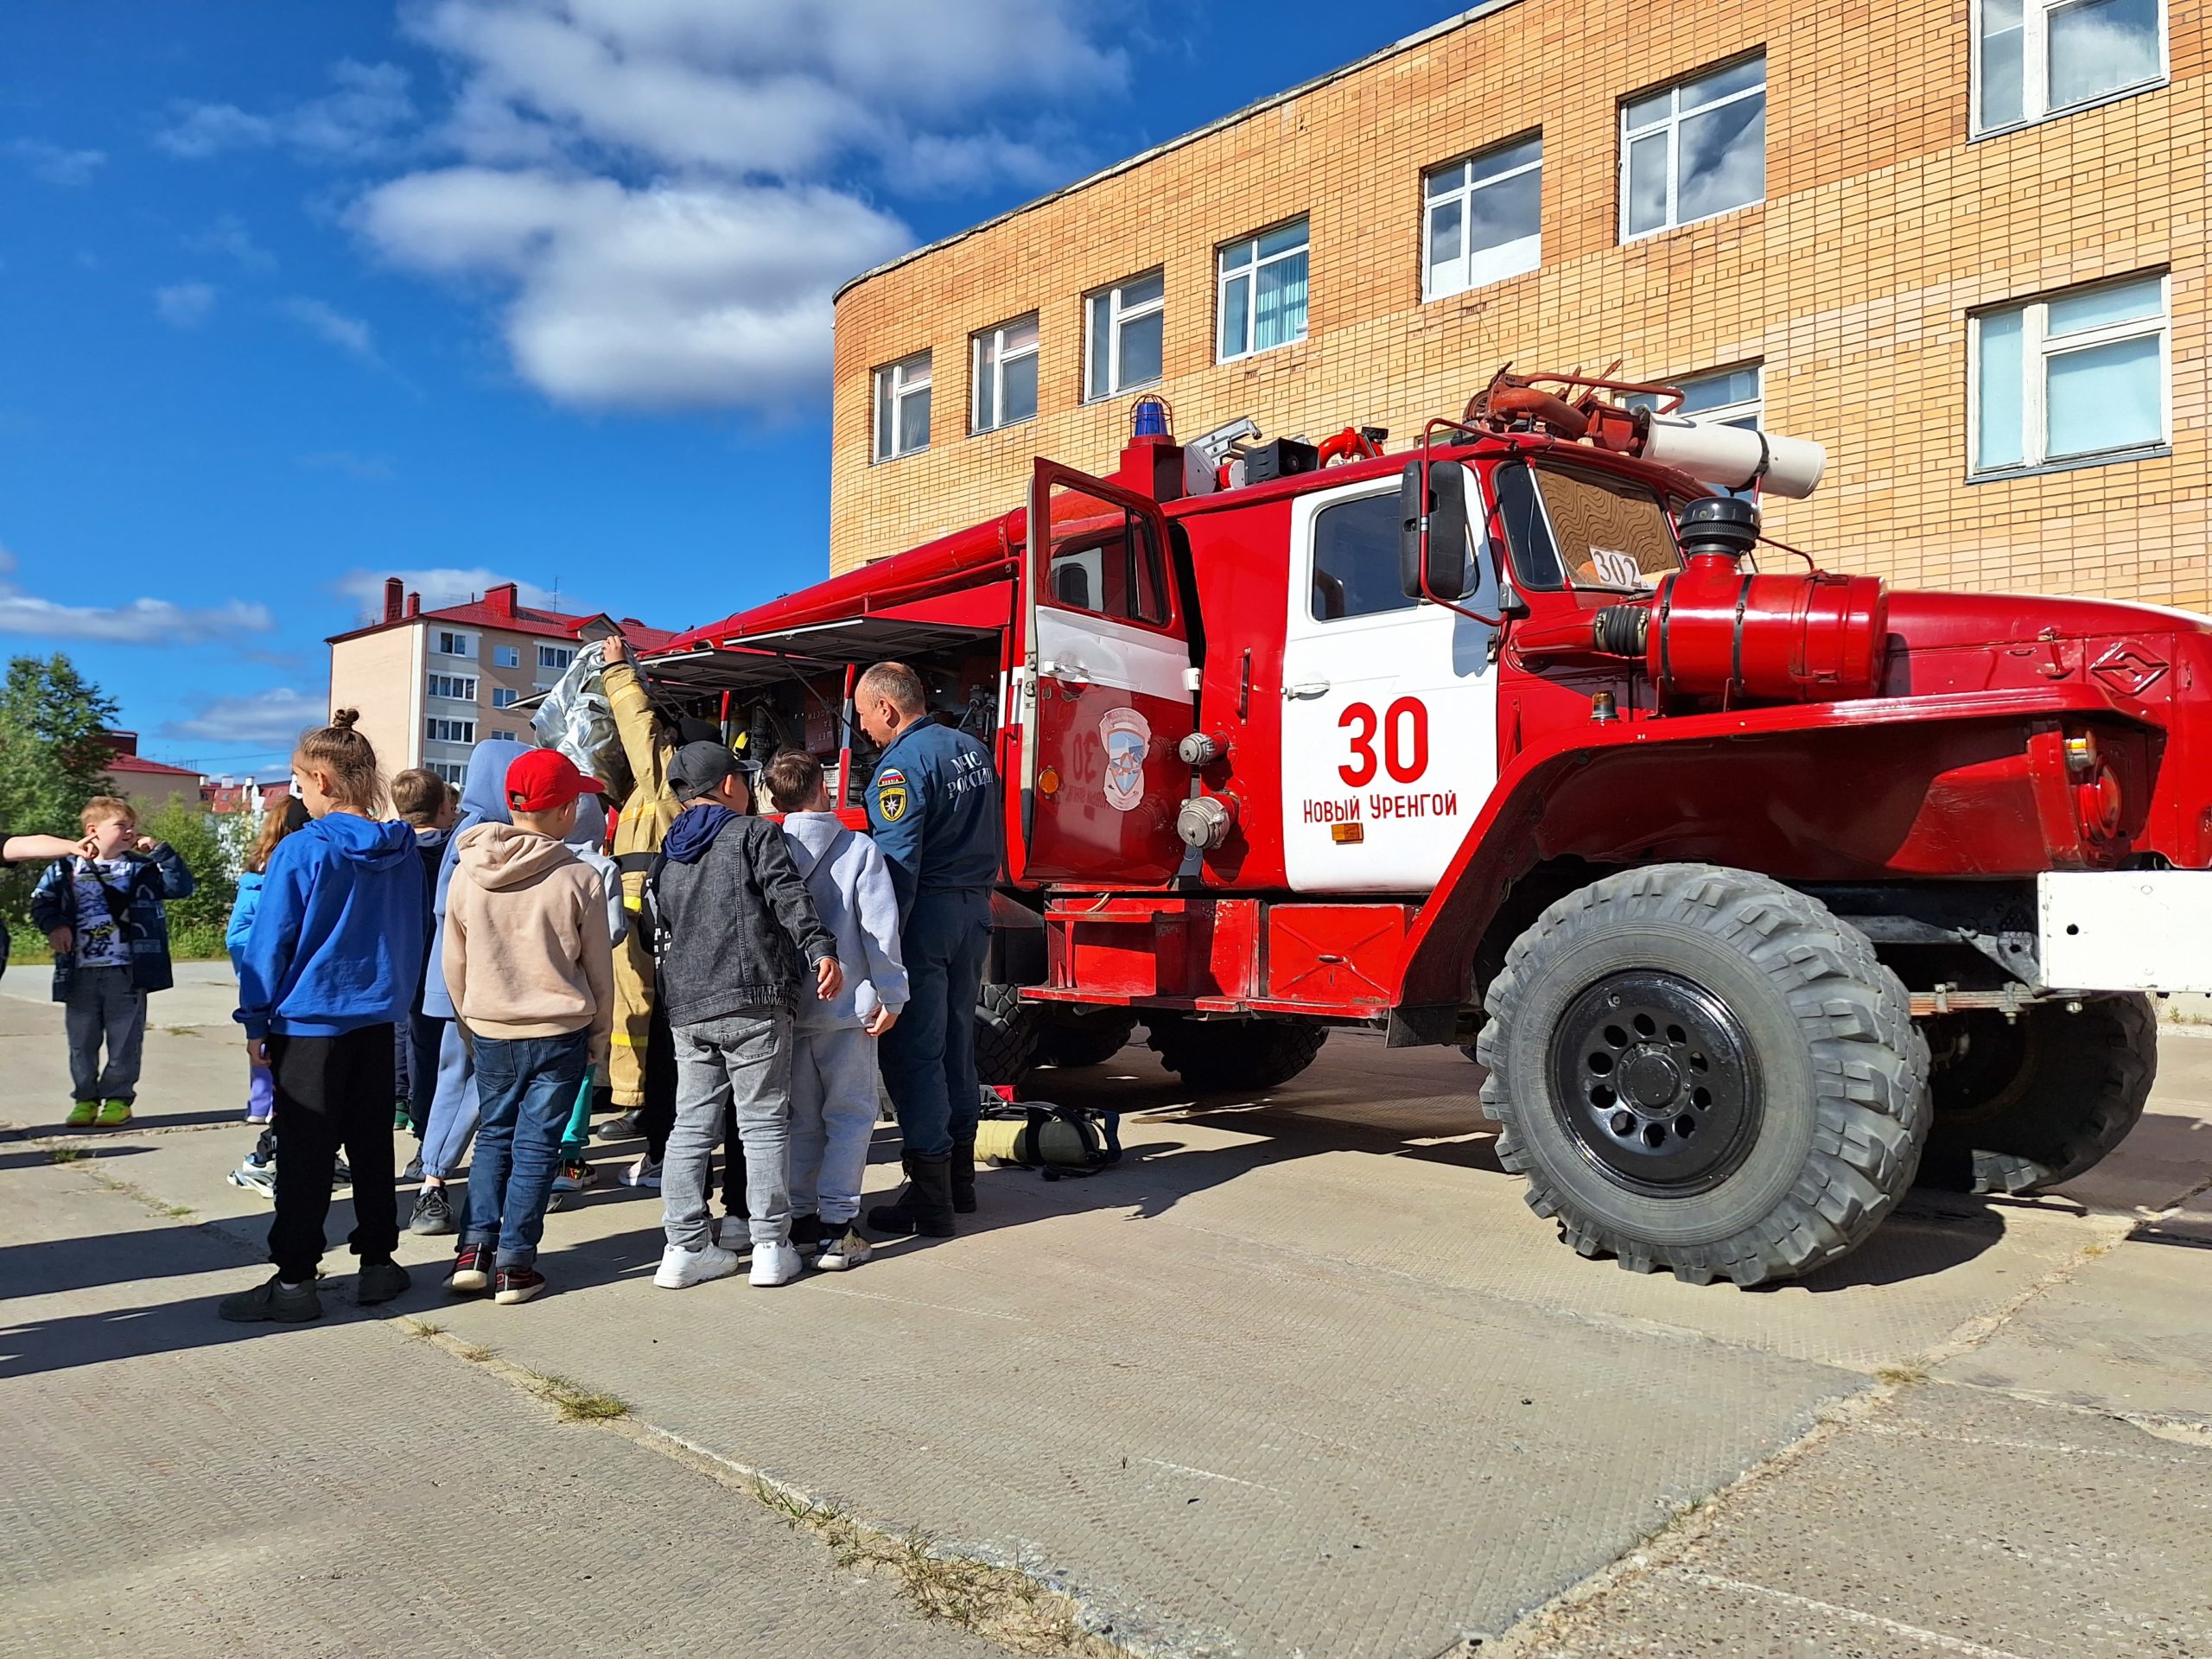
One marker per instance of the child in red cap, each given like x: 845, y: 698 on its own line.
x: 531, y: 969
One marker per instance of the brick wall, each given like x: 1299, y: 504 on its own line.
x: 1883, y: 227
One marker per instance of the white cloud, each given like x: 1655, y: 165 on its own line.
x: 441, y: 585
x: 361, y: 118
x: 326, y: 322
x: 268, y: 719
x: 662, y: 193
x: 229, y: 236
x: 52, y: 164
x: 141, y: 622
x: 185, y: 305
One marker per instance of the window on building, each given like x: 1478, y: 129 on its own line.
x: 2038, y: 58
x: 453, y: 771
x: 1005, y: 374
x: 507, y: 656
x: 1261, y: 297
x: 1724, y: 397
x: 505, y: 696
x: 1124, y: 347
x: 462, y: 686
x: 556, y: 657
x: 506, y: 736
x: 448, y: 643
x: 902, y: 407
x: 440, y: 730
x: 1480, y: 223
x: 2079, y: 375
x: 1693, y: 150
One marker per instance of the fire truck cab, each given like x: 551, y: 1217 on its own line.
x: 1761, y: 890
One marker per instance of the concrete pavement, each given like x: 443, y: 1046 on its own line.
x: 1302, y: 1377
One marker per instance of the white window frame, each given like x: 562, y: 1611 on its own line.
x: 898, y: 382
x: 508, y: 737
x: 1117, y: 318
x: 2036, y: 349
x: 452, y: 642
x: 988, y: 358
x: 557, y: 658
x: 451, y: 681
x: 1464, y: 194
x: 1751, y: 408
x: 1249, y: 274
x: 1672, y: 126
x: 452, y: 771
x: 511, y: 696
x: 507, y: 656
x: 431, y: 731
x: 2035, y: 68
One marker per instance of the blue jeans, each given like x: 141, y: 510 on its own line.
x: 453, y: 1110
x: 929, y: 1056
x: 525, y: 1086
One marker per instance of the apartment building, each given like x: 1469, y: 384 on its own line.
x: 1961, y: 243
x: 430, y: 684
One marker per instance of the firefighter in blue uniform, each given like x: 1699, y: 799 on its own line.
x: 929, y: 804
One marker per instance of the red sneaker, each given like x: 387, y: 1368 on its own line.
x: 471, y: 1271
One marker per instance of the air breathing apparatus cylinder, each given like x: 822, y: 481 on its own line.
x: 1051, y: 1138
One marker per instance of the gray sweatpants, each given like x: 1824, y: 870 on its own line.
x: 744, y: 1059
x: 104, y: 1006
x: 833, y: 1119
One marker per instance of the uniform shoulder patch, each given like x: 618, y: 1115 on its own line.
x: 891, y: 801
x: 889, y: 775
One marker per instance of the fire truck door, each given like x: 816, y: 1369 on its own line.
x: 1389, y: 724
x: 1106, y: 687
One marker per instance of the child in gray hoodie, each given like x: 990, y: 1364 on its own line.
x: 833, y: 1051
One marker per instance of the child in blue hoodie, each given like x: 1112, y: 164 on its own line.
x: 328, y: 969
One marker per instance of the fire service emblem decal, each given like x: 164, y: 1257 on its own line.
x: 1127, y: 737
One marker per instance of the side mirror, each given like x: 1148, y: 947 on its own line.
x: 1433, y: 531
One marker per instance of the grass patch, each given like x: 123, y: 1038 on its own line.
x: 63, y: 1154
x: 177, y: 1210
x: 577, y: 1403
x: 1898, y: 1376
x: 422, y: 1328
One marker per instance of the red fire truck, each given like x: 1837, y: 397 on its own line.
x: 1758, y: 891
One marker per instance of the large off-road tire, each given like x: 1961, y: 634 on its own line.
x: 1701, y: 1069
x: 2022, y: 1105
x: 1217, y: 1056
x: 1006, y: 1036
x: 1070, y: 1040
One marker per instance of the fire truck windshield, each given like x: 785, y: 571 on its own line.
x: 1573, y: 529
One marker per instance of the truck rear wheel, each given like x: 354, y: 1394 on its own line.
x: 1069, y: 1040
x: 1701, y: 1069
x: 2022, y: 1105
x: 1216, y: 1056
x: 1006, y: 1036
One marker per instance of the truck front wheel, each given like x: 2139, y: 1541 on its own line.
x: 1217, y: 1056
x: 1006, y: 1036
x: 1701, y: 1069
x: 2025, y: 1104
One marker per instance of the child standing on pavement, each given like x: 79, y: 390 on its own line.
x: 531, y: 975
x: 258, y: 1173
x: 333, y: 955
x: 101, y: 912
x: 427, y: 804
x: 731, y: 918
x: 833, y: 1055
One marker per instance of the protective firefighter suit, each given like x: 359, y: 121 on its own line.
x: 645, y: 818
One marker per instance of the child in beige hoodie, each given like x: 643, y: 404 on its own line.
x: 528, y: 962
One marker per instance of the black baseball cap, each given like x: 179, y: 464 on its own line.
x: 699, y: 768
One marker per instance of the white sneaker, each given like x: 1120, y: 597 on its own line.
x: 842, y: 1247
x: 681, y: 1268
x: 644, y: 1173
x: 775, y: 1264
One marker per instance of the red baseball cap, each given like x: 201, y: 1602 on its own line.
x: 545, y: 780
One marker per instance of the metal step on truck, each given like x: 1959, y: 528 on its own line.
x: 1760, y: 892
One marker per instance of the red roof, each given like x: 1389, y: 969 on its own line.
x: 141, y: 763
x: 502, y: 608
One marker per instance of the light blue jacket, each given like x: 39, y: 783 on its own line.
x: 850, y: 882
x: 242, y: 913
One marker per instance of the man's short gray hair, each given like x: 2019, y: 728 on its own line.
x: 897, y: 684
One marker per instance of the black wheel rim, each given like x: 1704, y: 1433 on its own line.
x: 1654, y: 1078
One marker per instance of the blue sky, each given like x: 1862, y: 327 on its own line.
x: 294, y: 297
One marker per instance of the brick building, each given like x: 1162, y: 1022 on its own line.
x: 147, y: 785
x: 430, y: 684
x: 1961, y: 243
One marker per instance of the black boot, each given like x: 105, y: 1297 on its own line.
x: 924, y: 1207
x: 963, y: 1177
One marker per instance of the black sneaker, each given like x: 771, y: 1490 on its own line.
x: 378, y: 1281
x: 272, y: 1301
x: 432, y: 1213
x: 514, y: 1285
x: 414, y: 1170
x: 806, y: 1234
x: 471, y: 1271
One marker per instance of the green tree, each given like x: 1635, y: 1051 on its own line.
x: 52, y: 758
x: 196, y: 924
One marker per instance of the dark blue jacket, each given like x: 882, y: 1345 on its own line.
x: 337, y: 944
x: 154, y: 876
x: 931, y: 806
